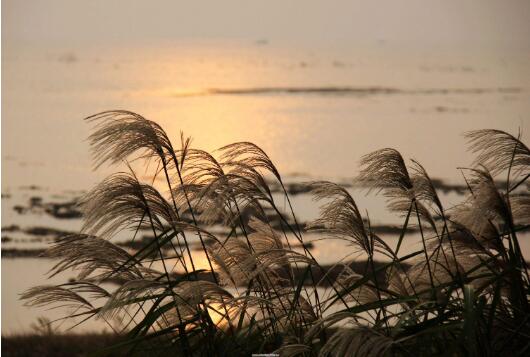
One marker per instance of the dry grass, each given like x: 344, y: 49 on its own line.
x: 465, y: 293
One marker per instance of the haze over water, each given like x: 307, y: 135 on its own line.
x: 315, y: 91
x: 65, y: 60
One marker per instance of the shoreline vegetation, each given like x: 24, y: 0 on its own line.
x: 466, y: 291
x: 55, y: 345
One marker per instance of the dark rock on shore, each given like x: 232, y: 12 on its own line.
x: 60, y: 210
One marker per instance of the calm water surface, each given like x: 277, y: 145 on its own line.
x: 314, y: 112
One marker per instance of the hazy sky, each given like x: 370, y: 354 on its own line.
x: 491, y: 24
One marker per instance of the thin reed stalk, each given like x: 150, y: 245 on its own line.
x: 465, y: 292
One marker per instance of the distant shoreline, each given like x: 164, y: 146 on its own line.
x: 342, y: 90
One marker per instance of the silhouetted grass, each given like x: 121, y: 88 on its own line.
x: 465, y: 292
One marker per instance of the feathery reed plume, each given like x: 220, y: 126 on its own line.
x: 385, y: 170
x: 357, y: 341
x: 59, y: 296
x: 201, y: 167
x: 341, y: 218
x: 223, y: 198
x: 520, y: 206
x: 120, y: 202
x: 499, y: 151
x: 364, y: 294
x: 424, y: 189
x: 484, y: 207
x: 128, y: 294
x: 119, y: 134
x: 96, y: 259
x: 248, y: 155
x: 192, y: 293
x: 262, y: 295
x: 238, y: 262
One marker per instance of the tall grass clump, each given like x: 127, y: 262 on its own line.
x: 227, y: 272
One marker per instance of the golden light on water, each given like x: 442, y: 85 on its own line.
x: 218, y: 315
x: 175, y: 264
x: 209, y: 80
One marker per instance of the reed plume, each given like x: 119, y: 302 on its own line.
x: 192, y: 288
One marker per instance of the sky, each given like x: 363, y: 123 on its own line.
x: 489, y: 24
